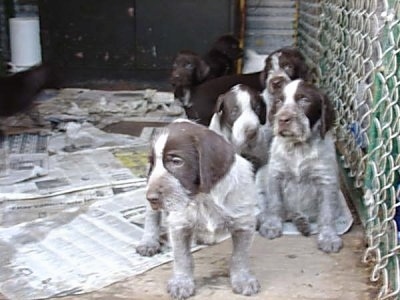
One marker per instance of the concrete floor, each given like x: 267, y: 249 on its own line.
x: 288, y: 268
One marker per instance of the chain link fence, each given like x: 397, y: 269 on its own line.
x: 353, y: 47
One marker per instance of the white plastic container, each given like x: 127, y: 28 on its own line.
x: 24, y: 43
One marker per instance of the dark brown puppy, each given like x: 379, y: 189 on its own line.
x: 223, y: 55
x: 188, y: 70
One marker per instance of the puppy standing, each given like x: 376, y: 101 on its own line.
x: 302, y: 182
x: 196, y: 177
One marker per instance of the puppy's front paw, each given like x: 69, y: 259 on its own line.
x: 329, y: 242
x: 148, y: 248
x: 181, y: 287
x: 271, y: 227
x: 245, y: 284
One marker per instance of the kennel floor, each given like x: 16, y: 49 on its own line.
x: 290, y: 267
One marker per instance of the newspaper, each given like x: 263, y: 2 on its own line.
x: 23, y: 156
x: 76, y: 251
x: 74, y: 178
x: 106, y: 107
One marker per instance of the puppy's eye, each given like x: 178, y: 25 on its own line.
x: 287, y: 68
x: 303, y: 100
x: 235, y: 111
x: 175, y: 161
x: 189, y: 66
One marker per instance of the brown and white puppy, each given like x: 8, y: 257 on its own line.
x: 198, y: 180
x: 282, y: 66
x: 287, y: 59
x: 240, y: 116
x: 203, y: 98
x: 188, y: 69
x: 223, y: 55
x: 301, y: 179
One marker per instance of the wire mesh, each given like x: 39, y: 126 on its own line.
x: 353, y: 46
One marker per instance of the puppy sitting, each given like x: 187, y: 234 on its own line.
x: 223, y: 55
x: 198, y: 180
x: 301, y: 179
x: 240, y: 117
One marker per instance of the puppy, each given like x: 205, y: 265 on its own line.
x: 202, y: 99
x: 281, y: 67
x: 202, y: 185
x: 223, y: 55
x: 188, y: 69
x: 285, y: 62
x: 241, y: 117
x: 301, y: 178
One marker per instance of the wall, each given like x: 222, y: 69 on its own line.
x: 270, y: 24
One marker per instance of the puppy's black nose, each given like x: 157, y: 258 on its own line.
x: 284, y: 119
x: 250, y: 132
x: 154, y: 197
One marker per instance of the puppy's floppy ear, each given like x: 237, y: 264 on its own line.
x: 272, y: 106
x: 264, y: 73
x: 302, y: 69
x: 219, y: 106
x: 263, y: 78
x: 327, y: 115
x: 216, y: 156
x: 262, y: 111
x: 202, y: 70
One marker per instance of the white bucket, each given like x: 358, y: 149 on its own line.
x: 24, y: 43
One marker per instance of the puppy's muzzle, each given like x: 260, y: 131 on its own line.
x: 154, y: 198
x: 285, y: 120
x: 250, y: 132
